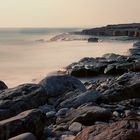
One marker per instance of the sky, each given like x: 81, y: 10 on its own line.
x: 67, y: 13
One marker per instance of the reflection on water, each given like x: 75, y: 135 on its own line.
x: 21, y: 63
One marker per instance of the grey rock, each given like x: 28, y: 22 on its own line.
x: 75, y: 127
x: 50, y: 114
x: 62, y: 112
x: 81, y: 98
x: 86, y: 115
x: 21, y: 98
x: 58, y: 85
x: 29, y: 121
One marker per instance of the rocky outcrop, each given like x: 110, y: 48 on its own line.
x: 29, y: 121
x: 131, y: 30
x: 75, y: 99
x: 21, y: 98
x: 86, y: 115
x: 124, y: 87
x: 122, y: 130
x: 109, y: 64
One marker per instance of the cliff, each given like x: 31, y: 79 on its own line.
x: 132, y: 30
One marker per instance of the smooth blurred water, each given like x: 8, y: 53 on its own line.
x: 23, y: 58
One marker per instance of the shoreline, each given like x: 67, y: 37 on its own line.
x: 61, y: 107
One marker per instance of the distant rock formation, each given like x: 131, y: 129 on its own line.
x: 93, y: 39
x: 132, y: 30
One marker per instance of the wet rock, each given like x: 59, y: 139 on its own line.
x: 86, y: 114
x: 25, y: 136
x: 3, y: 85
x: 21, y: 98
x: 29, y: 121
x: 58, y: 85
x: 75, y: 127
x: 118, y: 68
x: 81, y: 98
x: 129, y: 89
x: 122, y: 130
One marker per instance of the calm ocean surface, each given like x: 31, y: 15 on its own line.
x: 26, y: 55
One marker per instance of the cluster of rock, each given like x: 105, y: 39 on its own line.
x: 109, y: 64
x: 60, y: 107
x: 132, y: 30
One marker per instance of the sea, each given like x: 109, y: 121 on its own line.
x: 27, y: 55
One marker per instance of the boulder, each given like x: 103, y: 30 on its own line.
x: 3, y: 85
x: 86, y: 114
x: 21, y: 98
x: 128, y: 129
x: 58, y: 85
x: 75, y: 99
x: 25, y: 136
x: 29, y: 121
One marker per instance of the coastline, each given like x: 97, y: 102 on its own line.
x: 62, y: 107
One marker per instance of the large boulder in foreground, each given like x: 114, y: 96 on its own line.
x: 58, y: 85
x: 121, y: 130
x: 86, y: 115
x: 29, y: 121
x: 21, y: 98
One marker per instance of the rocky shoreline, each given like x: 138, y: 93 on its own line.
x: 60, y: 107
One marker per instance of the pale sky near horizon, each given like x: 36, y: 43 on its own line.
x: 67, y: 13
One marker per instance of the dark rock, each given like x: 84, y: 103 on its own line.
x: 3, y: 85
x: 25, y: 136
x: 79, y: 98
x: 93, y: 39
x: 62, y: 112
x: 137, y: 44
x: 50, y: 114
x: 126, y: 87
x: 86, y: 115
x: 87, y: 67
x: 128, y: 129
x: 46, y: 108
x: 117, y: 68
x: 21, y: 98
x: 58, y: 85
x: 29, y: 121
